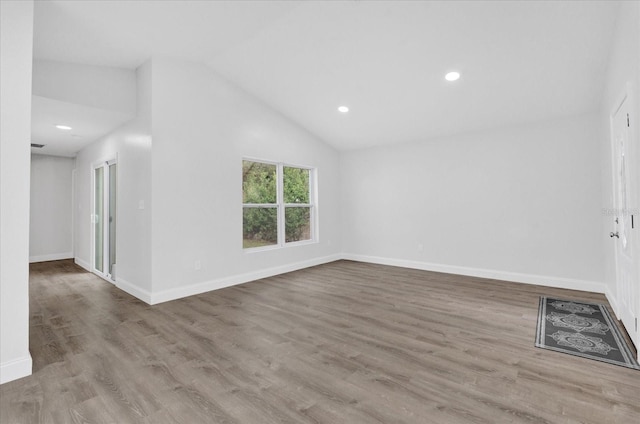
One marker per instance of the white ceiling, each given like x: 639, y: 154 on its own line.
x: 520, y: 61
x: 88, y: 124
x: 126, y: 33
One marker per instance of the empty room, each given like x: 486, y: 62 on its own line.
x: 319, y: 211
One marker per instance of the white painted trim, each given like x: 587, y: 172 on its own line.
x: 13, y: 370
x: 105, y: 163
x: 612, y: 301
x: 73, y: 209
x: 133, y: 290
x: 193, y: 289
x: 83, y: 264
x: 541, y: 280
x: 281, y: 206
x: 50, y: 257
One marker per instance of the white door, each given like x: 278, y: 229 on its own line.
x: 625, y: 222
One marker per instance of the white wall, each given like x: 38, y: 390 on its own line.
x: 131, y: 145
x: 520, y: 204
x: 16, y: 41
x: 50, y: 223
x: 202, y: 128
x: 624, y: 67
x: 100, y: 87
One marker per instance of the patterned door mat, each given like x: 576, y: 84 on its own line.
x: 582, y: 329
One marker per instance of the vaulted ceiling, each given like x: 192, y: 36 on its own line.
x: 385, y: 60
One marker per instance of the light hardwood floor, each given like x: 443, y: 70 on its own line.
x: 339, y: 343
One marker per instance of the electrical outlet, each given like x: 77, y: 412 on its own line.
x: 197, y: 265
x: 420, y: 247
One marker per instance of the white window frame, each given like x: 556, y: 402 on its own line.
x: 280, y: 206
x: 104, y: 163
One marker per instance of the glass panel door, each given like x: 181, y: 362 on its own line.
x: 104, y: 219
x: 99, y: 220
x: 112, y: 220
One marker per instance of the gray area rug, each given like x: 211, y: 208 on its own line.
x: 582, y: 329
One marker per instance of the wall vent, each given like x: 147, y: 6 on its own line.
x: 37, y: 146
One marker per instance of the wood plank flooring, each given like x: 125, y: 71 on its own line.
x: 344, y: 342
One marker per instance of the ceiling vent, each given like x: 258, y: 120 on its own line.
x: 37, y: 146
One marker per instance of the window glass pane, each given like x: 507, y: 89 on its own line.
x: 259, y: 227
x: 296, y: 185
x: 297, y: 224
x: 258, y: 182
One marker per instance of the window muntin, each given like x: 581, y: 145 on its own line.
x: 297, y: 205
x: 278, y: 207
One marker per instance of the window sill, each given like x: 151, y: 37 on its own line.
x: 278, y: 247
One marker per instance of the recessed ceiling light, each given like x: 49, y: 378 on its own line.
x: 63, y: 127
x: 452, y: 76
x: 343, y: 109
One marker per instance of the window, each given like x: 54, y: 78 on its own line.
x: 277, y: 204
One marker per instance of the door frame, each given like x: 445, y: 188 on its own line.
x: 74, y: 186
x: 104, y: 163
x: 628, y: 95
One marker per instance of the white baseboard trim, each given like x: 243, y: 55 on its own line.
x: 82, y: 264
x: 612, y: 301
x: 193, y: 289
x: 152, y: 298
x: 13, y: 370
x: 50, y: 257
x: 133, y: 290
x: 541, y: 280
